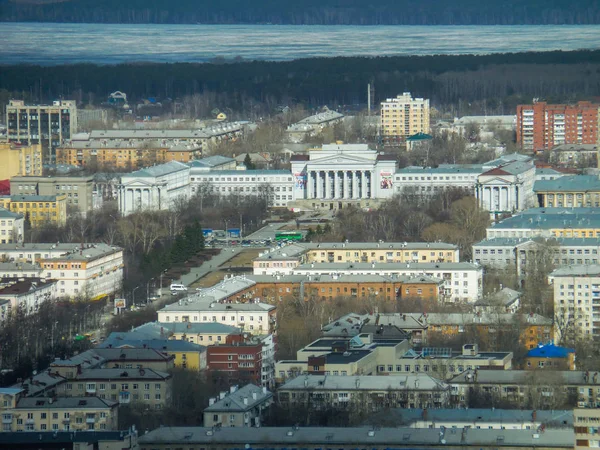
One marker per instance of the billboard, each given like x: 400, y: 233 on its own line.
x: 299, y: 180
x: 385, y: 180
x: 233, y: 232
x: 120, y: 303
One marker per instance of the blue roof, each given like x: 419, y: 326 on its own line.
x: 550, y: 218
x: 571, y: 183
x: 549, y: 351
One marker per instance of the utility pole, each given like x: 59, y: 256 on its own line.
x: 369, y: 99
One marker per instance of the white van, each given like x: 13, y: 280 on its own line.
x: 177, y: 289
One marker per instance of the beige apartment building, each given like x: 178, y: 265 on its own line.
x: 381, y: 252
x: 21, y: 413
x: 145, y: 386
x: 20, y: 160
x: 78, y: 190
x: 402, y: 117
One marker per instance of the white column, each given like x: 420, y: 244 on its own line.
x: 345, y: 180
x: 311, y: 185
x: 336, y: 184
x: 327, y: 184
x: 355, y: 193
x: 490, y: 197
x: 319, y: 185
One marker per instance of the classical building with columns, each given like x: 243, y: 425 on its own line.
x: 154, y: 188
x: 342, y: 174
x: 507, y: 188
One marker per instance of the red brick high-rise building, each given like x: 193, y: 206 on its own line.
x: 542, y: 126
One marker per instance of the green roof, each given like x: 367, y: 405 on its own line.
x: 419, y: 137
x: 571, y: 183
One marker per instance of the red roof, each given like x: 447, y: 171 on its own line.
x: 496, y: 171
x: 299, y: 158
x: 4, y: 187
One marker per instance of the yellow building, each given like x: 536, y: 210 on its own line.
x: 388, y: 252
x: 113, y: 154
x: 38, y: 209
x: 20, y: 160
x: 573, y: 191
x: 21, y: 413
x: 402, y: 117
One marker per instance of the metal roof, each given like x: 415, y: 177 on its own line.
x: 413, y: 381
x: 568, y: 183
x: 267, y: 437
x: 588, y: 270
x: 234, y: 401
x: 158, y: 170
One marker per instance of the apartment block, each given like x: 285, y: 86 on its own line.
x: 146, y: 386
x: 47, y: 125
x: 12, y: 227
x: 93, y: 271
x: 402, y: 117
x: 586, y: 426
x: 244, y: 407
x: 38, y: 209
x: 20, y: 413
x: 25, y: 294
x: 548, y: 386
x: 577, y: 300
x: 110, y: 154
x: 78, y: 190
x: 541, y: 126
x: 365, y: 393
x: 20, y: 160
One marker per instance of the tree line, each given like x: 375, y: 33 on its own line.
x: 458, y: 84
x: 307, y: 12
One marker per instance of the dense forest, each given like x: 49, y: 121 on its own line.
x: 491, y: 84
x: 360, y: 12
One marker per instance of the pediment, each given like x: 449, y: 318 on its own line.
x: 138, y: 182
x: 340, y: 159
x: 496, y: 181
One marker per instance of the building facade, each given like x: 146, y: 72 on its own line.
x: 507, y: 188
x: 12, y: 227
x: 38, y: 210
x: 577, y: 300
x: 339, y: 174
x: 26, y: 294
x: 244, y: 407
x: 541, y: 126
x: 402, y: 117
x: 276, y: 187
x: 78, y: 190
x: 92, y: 272
x: 20, y: 414
x: 125, y: 155
x: 20, y: 160
x: 47, y: 125
x: 574, y: 191
x: 155, y: 188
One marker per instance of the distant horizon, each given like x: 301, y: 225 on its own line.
x: 34, y: 42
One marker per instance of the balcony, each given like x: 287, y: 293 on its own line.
x: 7, y: 418
x: 90, y: 420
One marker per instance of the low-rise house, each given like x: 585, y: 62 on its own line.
x: 242, y: 407
x: 21, y: 413
x: 366, y: 393
x: 136, y: 358
x: 105, y: 440
x: 38, y: 210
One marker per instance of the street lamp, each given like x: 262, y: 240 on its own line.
x: 52, y: 336
x: 133, y: 294
x: 148, y: 289
x: 160, y: 280
x: 226, y: 234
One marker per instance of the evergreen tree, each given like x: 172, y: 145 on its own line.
x: 248, y: 162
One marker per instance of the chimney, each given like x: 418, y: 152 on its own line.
x: 245, y: 400
x: 254, y: 396
x: 534, y: 415
x: 264, y: 390
x: 232, y: 389
x: 211, y: 401
x: 222, y: 395
x: 424, y: 413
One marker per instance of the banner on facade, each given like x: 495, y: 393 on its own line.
x: 386, y: 180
